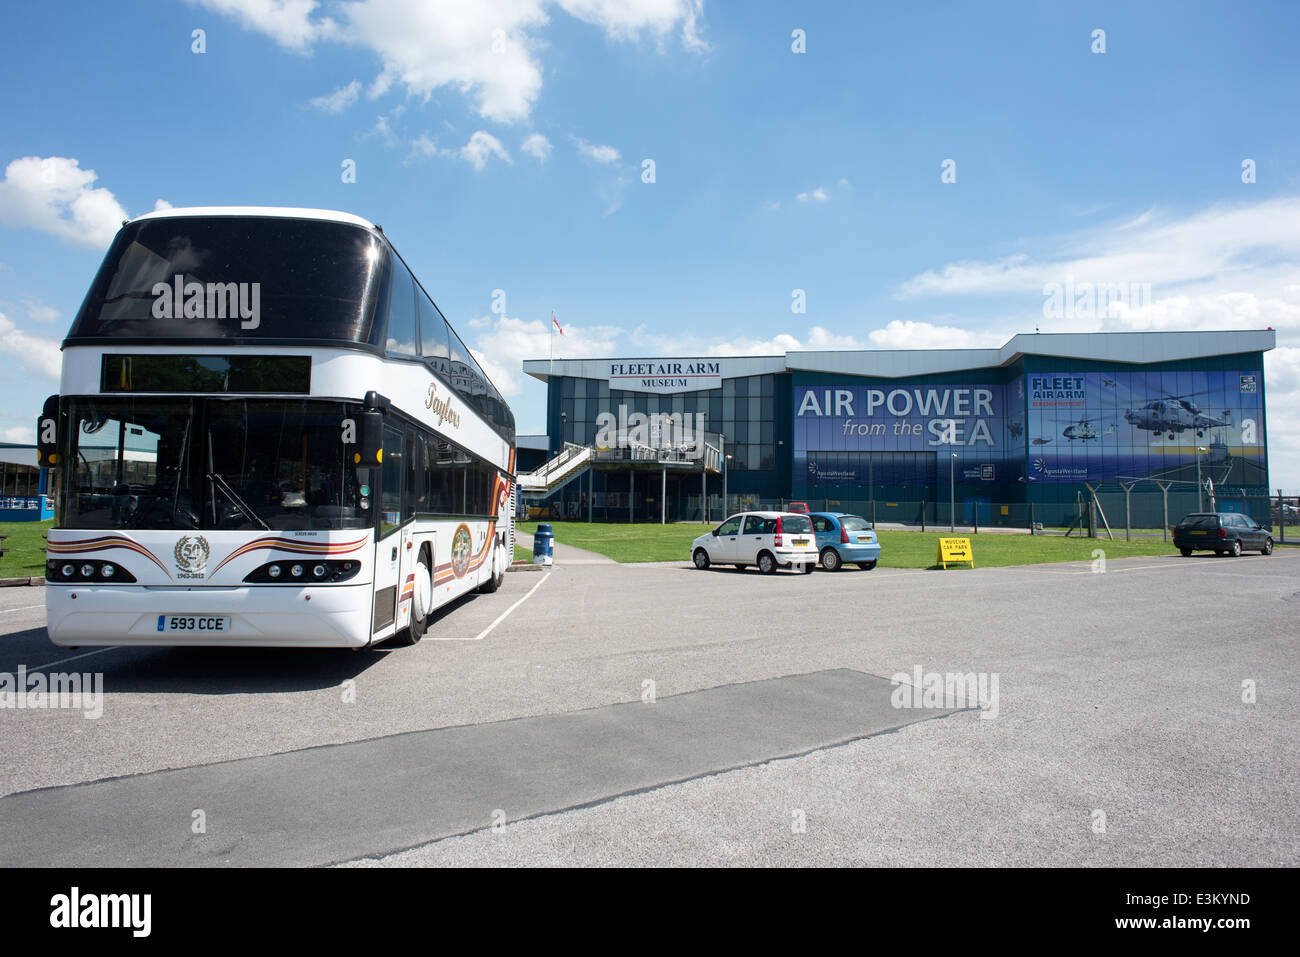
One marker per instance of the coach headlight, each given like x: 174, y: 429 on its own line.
x: 296, y: 571
x: 274, y: 571
x: 319, y: 571
x: 68, y: 571
x: 108, y: 571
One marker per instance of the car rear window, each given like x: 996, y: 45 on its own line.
x: 854, y: 524
x: 1200, y: 521
x: 796, y: 525
x: 757, y: 525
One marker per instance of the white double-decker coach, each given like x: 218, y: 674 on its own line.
x: 267, y: 434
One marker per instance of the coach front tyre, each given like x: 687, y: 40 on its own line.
x: 421, y: 602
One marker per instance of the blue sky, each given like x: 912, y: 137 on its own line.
x: 501, y: 145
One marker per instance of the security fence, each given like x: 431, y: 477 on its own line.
x: 1127, y: 510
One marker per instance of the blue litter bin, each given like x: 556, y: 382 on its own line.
x: 543, y: 545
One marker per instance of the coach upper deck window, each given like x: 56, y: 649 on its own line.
x: 220, y: 278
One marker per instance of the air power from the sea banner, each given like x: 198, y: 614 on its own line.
x: 925, y: 416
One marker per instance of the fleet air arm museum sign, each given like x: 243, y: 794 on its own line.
x: 666, y: 375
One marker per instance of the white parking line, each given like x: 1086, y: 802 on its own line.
x: 502, y: 617
x: 4, y: 611
x: 86, y: 654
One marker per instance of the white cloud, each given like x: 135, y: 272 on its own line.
x: 288, y: 22
x: 817, y: 195
x: 507, y: 342
x: 628, y: 19
x: 605, y: 155
x: 1213, y: 246
x: 21, y: 434
x: 480, y: 148
x: 537, y: 146
x: 424, y: 146
x: 55, y: 195
x: 40, y: 312
x: 906, y: 334
x: 488, y: 50
x: 37, y: 355
x: 339, y: 100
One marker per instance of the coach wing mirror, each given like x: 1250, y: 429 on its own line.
x: 363, y: 433
x: 47, y: 434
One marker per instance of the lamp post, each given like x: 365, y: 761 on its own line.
x: 1200, y: 500
x: 952, y: 494
x: 726, y: 467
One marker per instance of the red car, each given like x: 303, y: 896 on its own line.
x: 799, y: 508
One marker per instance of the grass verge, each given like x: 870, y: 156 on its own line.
x: 899, y: 549
x: 24, y: 549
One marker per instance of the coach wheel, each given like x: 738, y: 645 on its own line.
x: 831, y: 560
x: 421, y: 601
x: 766, y: 563
x: 701, y: 559
x: 493, y: 583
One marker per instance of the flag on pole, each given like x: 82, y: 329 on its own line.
x: 556, y: 322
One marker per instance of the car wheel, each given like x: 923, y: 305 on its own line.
x: 1268, y: 547
x: 1235, y: 550
x: 831, y: 560
x: 867, y: 566
x: 766, y: 564
x: 701, y: 559
x: 1186, y: 552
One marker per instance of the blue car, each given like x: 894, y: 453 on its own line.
x: 845, y: 538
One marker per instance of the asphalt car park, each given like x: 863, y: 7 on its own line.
x: 1113, y: 698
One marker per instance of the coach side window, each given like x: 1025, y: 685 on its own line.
x: 433, y: 335
x: 390, y: 502
x: 401, y: 312
x: 410, y: 449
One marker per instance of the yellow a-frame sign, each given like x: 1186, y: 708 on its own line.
x: 955, y: 551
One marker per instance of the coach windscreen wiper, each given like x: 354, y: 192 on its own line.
x: 219, y: 482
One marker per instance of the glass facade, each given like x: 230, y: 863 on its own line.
x: 743, y: 410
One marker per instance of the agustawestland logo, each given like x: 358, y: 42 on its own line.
x: 441, y: 407
x: 186, y: 299
x: 192, y: 556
